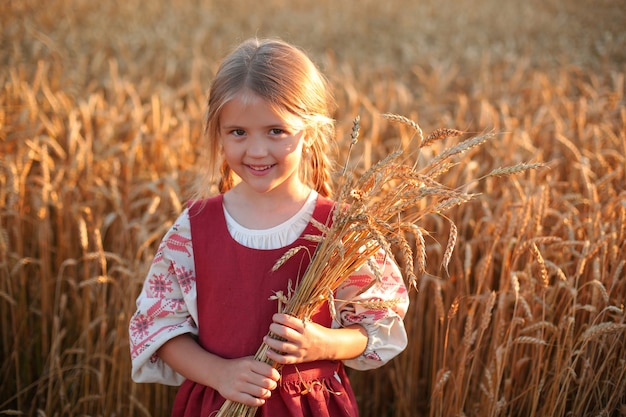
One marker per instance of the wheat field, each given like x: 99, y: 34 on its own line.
x: 101, y: 113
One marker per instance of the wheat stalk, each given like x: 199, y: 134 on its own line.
x: 601, y: 329
x: 440, y: 134
x: 447, y: 255
x: 529, y: 340
x: 514, y: 169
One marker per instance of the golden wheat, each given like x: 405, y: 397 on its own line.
x: 100, y: 128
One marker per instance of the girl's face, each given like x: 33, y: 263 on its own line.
x: 263, y: 147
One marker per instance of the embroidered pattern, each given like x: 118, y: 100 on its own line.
x: 140, y: 326
x: 159, y: 285
x: 186, y: 278
x: 180, y: 243
x: 372, y: 356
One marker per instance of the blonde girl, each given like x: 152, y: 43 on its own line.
x: 208, y: 300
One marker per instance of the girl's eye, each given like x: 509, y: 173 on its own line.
x: 276, y: 131
x: 238, y: 132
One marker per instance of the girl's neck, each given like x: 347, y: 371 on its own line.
x: 263, y: 210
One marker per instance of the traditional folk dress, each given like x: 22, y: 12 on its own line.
x: 220, y: 289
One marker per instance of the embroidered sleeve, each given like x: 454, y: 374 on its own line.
x: 166, y: 306
x: 380, y: 309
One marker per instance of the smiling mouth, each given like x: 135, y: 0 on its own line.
x: 260, y: 167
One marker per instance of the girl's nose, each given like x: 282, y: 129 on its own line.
x: 257, y: 146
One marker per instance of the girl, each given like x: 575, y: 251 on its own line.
x: 209, y: 298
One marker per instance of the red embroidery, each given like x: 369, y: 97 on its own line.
x: 179, y: 243
x: 186, y: 278
x: 373, y: 356
x: 140, y: 325
x: 159, y: 285
x: 358, y: 281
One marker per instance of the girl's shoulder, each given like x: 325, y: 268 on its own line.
x: 196, y: 206
x: 323, y: 201
x: 323, y: 209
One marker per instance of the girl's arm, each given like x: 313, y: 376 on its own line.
x: 380, y: 309
x: 242, y: 380
x: 166, y: 306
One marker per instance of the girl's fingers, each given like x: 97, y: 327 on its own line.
x: 270, y: 374
x: 281, y: 358
x: 283, y: 332
x: 287, y: 327
x: 289, y: 321
x: 278, y: 345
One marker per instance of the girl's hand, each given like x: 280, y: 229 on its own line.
x: 308, y: 342
x: 304, y: 342
x: 247, y: 381
x: 243, y: 380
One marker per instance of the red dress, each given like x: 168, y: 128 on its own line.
x: 234, y: 284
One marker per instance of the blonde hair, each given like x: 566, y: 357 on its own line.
x: 289, y: 81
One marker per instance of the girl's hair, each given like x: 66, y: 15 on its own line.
x: 290, y: 82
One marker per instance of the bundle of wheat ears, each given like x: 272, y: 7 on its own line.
x: 380, y: 209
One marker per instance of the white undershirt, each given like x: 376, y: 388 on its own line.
x: 275, y: 237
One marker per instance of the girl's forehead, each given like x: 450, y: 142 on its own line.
x: 247, y: 96
x: 245, y: 100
